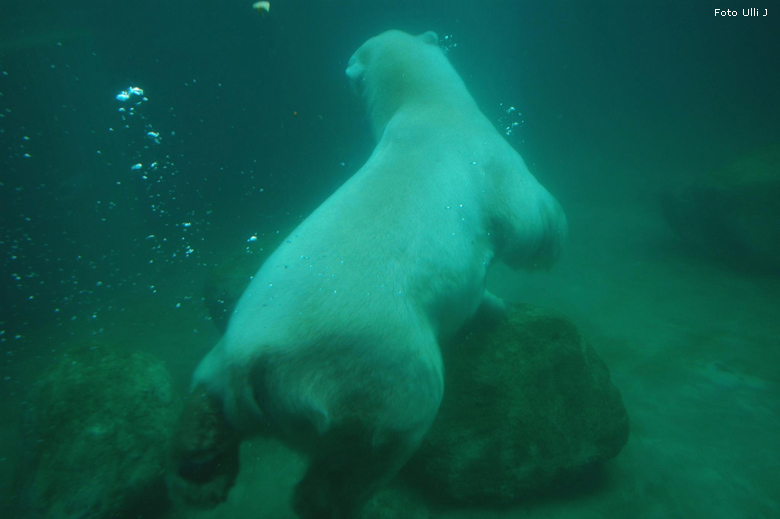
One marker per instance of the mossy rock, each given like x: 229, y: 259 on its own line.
x: 97, y: 428
x: 527, y: 405
x: 731, y: 214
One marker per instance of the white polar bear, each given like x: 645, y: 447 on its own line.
x: 334, y: 346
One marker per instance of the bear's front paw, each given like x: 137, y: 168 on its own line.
x: 492, y: 309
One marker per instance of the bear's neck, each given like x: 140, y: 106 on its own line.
x: 434, y: 106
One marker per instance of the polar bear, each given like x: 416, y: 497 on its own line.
x: 334, y: 347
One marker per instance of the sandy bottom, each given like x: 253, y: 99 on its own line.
x: 694, y: 348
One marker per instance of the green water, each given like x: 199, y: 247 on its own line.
x: 256, y: 126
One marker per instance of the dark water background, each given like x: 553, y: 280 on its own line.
x: 257, y: 127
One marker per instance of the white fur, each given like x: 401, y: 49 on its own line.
x: 334, y: 346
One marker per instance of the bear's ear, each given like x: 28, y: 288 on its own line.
x: 430, y: 37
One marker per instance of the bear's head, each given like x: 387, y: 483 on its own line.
x: 396, y: 70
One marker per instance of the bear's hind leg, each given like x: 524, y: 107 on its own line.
x: 346, y: 471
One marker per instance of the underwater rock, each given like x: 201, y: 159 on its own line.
x: 98, y: 424
x: 528, y: 404
x: 732, y: 214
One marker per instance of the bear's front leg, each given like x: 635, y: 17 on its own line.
x: 491, y: 309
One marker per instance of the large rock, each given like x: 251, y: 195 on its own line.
x: 99, y: 424
x: 527, y: 404
x: 732, y: 213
